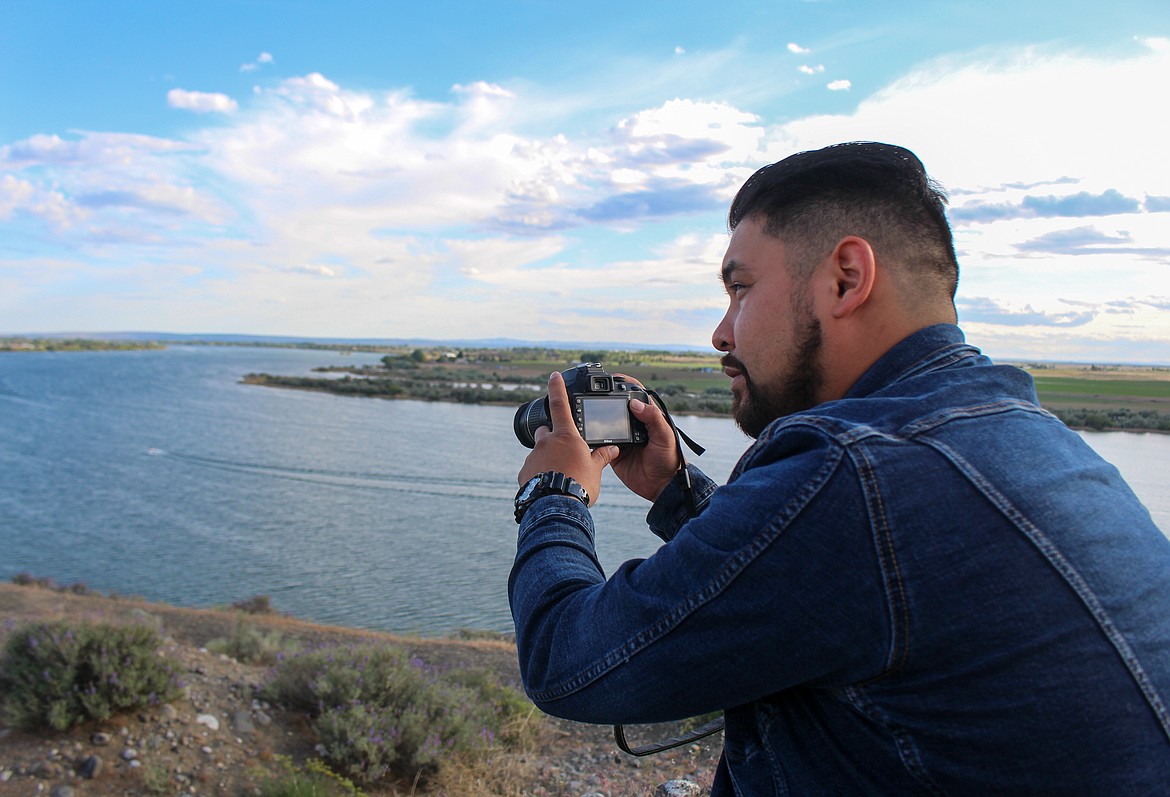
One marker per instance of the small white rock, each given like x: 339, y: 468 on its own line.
x: 209, y: 720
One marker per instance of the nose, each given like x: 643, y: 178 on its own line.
x: 722, y: 338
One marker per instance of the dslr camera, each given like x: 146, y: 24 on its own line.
x: 600, y: 404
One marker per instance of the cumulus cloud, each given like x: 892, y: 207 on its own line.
x: 1083, y: 203
x: 1081, y: 240
x: 1089, y: 241
x: 14, y: 194
x: 811, y: 70
x: 406, y: 211
x: 83, y: 188
x: 983, y: 309
x: 261, y: 60
x: 666, y: 198
x: 201, y: 101
x: 1157, y: 44
x: 840, y: 85
x: 796, y: 49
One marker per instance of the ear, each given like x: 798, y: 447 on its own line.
x: 852, y: 269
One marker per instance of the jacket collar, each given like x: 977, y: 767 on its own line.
x: 929, y: 348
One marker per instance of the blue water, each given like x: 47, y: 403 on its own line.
x: 156, y: 473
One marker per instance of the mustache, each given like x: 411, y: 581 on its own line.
x: 731, y: 361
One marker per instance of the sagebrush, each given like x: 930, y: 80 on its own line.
x: 378, y: 712
x: 57, y: 674
x: 249, y: 644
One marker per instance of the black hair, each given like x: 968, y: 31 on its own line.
x: 879, y: 192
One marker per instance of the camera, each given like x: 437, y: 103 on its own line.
x: 600, y: 404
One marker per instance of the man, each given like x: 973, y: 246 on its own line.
x: 916, y: 580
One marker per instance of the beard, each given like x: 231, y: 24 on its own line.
x: 758, y: 405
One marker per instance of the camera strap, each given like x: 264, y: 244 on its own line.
x: 714, y: 726
x: 679, y: 433
x: 681, y: 437
x: 702, y: 732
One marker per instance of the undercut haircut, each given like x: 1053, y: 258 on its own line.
x: 879, y: 192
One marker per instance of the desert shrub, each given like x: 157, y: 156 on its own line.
x: 379, y: 712
x: 480, y: 635
x: 29, y: 580
x: 1114, y: 418
x: 314, y: 779
x: 249, y: 644
x: 257, y: 604
x: 55, y: 674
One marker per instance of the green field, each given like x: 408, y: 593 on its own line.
x: 1088, y: 396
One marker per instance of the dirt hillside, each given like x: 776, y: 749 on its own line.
x: 177, y: 750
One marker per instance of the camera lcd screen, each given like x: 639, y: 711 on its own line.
x: 606, y: 419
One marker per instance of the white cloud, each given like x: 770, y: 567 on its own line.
x: 252, y: 66
x: 14, y: 194
x: 1061, y: 129
x: 1158, y: 44
x: 796, y: 49
x: 319, y: 209
x: 840, y: 85
x: 811, y: 70
x: 201, y: 101
x: 680, y: 50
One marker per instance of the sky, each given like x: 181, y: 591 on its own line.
x: 562, y: 171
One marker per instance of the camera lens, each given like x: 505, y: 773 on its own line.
x: 529, y: 418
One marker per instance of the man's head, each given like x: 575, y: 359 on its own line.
x: 836, y: 254
x: 878, y: 192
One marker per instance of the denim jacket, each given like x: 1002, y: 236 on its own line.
x: 928, y: 587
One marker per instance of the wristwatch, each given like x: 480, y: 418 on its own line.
x: 548, y: 483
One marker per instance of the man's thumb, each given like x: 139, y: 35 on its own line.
x: 606, y: 454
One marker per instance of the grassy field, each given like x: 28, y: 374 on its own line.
x: 1103, y: 387
x: 1087, y: 396
x: 1083, y: 396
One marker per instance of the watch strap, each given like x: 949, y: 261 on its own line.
x: 549, y: 483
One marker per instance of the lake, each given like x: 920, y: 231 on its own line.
x: 156, y: 473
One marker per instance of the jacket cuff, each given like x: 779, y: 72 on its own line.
x: 564, y: 507
x: 670, y: 510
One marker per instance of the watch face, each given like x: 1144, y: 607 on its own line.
x: 528, y: 488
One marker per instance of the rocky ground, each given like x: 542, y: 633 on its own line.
x: 218, y: 739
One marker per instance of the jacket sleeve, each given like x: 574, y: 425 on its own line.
x: 774, y: 584
x: 672, y: 508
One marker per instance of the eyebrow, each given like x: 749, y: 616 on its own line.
x: 729, y: 269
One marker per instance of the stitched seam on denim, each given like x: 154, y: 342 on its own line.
x: 559, y: 514
x: 689, y: 605
x: 895, y: 588
x: 937, y: 360
x: 775, y: 762
x: 929, y: 422
x: 907, y: 750
x: 1072, y: 578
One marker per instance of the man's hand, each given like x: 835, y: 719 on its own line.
x: 646, y: 470
x: 563, y: 449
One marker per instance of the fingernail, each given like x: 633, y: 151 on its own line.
x: 637, y: 404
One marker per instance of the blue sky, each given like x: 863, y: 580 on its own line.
x: 561, y: 171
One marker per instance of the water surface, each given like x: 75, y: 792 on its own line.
x: 156, y: 473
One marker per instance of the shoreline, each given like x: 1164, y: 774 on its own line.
x: 251, y: 379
